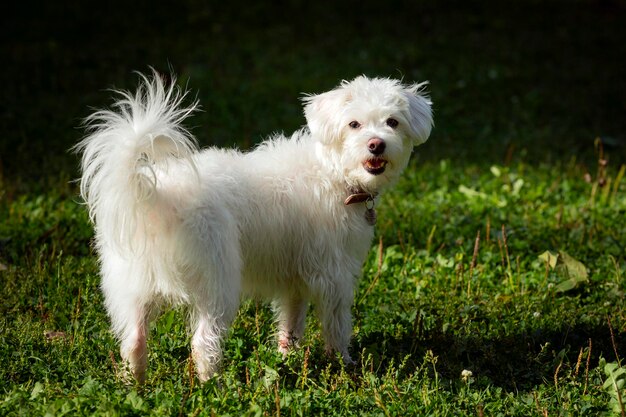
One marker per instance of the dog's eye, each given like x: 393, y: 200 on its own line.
x: 354, y: 124
x: 392, y: 123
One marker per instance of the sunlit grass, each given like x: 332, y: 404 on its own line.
x: 455, y: 283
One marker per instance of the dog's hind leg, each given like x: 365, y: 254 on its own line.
x: 133, y: 348
x: 206, y: 343
x: 211, y: 320
x: 128, y: 301
x: 291, y: 317
x: 215, y: 303
x: 129, y: 320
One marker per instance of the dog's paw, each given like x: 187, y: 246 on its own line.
x: 284, y: 347
x: 287, y: 344
x: 348, y: 361
x: 343, y: 354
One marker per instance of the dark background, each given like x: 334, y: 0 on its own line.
x: 531, y: 81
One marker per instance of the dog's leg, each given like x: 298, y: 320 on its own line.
x: 212, y: 318
x: 291, y: 316
x: 128, y: 301
x: 335, y: 316
x: 214, y: 309
x: 206, y: 344
x: 133, y: 346
x: 211, y: 244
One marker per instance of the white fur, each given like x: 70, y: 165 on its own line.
x: 203, y: 228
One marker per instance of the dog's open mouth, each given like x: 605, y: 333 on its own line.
x: 375, y: 166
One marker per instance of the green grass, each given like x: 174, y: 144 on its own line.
x: 513, y: 160
x: 426, y: 310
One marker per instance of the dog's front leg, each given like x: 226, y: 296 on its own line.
x: 334, y: 306
x: 291, y: 317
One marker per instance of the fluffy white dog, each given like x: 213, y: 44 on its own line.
x: 291, y: 221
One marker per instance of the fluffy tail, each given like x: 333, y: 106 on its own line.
x: 124, y: 149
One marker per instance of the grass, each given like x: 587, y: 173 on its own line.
x: 457, y: 279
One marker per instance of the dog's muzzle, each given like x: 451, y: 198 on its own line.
x: 377, y: 164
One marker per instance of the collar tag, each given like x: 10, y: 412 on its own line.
x: 368, y: 199
x: 370, y: 216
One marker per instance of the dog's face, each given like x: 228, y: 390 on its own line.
x: 369, y: 127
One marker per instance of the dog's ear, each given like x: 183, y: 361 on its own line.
x: 323, y: 113
x: 419, y: 113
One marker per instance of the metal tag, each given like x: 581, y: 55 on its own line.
x: 370, y: 216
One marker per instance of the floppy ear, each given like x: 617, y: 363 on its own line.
x: 419, y: 113
x: 323, y: 113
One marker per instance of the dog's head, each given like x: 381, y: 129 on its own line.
x: 370, y: 126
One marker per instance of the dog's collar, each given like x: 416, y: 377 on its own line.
x: 360, y: 196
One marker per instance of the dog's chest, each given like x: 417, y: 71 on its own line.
x: 302, y: 242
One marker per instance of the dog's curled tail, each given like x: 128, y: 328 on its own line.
x: 125, y: 147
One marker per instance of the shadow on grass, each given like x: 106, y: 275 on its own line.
x: 514, y: 362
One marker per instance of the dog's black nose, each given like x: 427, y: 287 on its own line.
x: 376, y: 146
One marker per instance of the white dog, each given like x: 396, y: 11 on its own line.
x: 291, y: 221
